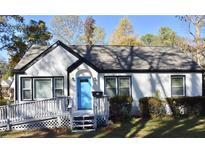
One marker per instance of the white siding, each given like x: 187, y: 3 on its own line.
x: 146, y: 84
x: 55, y: 63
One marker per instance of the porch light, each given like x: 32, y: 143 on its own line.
x: 73, y: 78
x: 95, y: 79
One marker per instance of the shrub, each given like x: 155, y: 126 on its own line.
x: 187, y: 106
x: 120, y: 108
x: 3, y: 102
x: 157, y: 94
x: 151, y: 107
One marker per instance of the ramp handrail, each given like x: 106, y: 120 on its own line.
x: 34, y: 110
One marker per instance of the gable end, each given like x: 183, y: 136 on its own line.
x: 49, y: 49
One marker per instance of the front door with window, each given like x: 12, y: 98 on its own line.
x: 84, y: 93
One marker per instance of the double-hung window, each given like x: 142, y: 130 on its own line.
x: 117, y: 86
x: 26, y: 89
x: 124, y: 86
x: 178, y: 85
x: 58, y: 87
x: 111, y: 86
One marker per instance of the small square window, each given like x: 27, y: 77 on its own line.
x: 26, y: 83
x: 58, y: 92
x: 26, y: 94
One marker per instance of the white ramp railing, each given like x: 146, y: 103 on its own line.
x: 3, y: 114
x: 101, y: 109
x: 36, y: 110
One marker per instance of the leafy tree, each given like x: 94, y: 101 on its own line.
x: 34, y: 33
x: 167, y: 36
x: 149, y: 39
x: 9, y: 26
x: 184, y: 45
x: 1, y: 96
x: 124, y: 34
x: 195, y: 24
x: 18, y: 37
x: 89, y: 28
x: 67, y: 28
x: 130, y: 40
x: 72, y: 30
x: 99, y: 35
x: 3, y: 65
x: 92, y: 33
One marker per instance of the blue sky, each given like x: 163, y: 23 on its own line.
x: 142, y: 24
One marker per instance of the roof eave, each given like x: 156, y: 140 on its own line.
x: 18, y: 71
x: 151, y: 71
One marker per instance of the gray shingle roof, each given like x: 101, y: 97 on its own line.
x: 31, y: 54
x: 136, y: 58
x: 125, y: 57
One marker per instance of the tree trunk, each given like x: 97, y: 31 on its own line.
x: 198, y: 42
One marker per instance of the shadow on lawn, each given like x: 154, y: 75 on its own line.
x: 180, y: 128
x: 155, y: 128
x: 42, y: 133
x: 172, y: 128
x: 126, y: 129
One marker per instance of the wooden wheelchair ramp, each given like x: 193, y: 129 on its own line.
x: 53, y: 113
x: 50, y: 113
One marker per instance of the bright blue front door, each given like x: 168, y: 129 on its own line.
x: 84, y: 93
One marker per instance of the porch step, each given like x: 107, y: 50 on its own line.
x: 87, y: 117
x: 83, y: 123
x: 85, y: 130
x: 86, y: 125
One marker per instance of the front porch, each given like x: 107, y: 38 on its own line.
x: 54, y: 113
x: 89, y: 119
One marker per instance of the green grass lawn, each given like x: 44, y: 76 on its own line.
x: 155, y: 128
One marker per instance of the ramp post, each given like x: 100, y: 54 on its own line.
x: 8, y: 125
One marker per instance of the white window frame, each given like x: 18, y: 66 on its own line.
x: 34, y: 92
x: 116, y: 88
x: 183, y: 86
x: 24, y: 89
x: 54, y: 82
x: 119, y: 84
